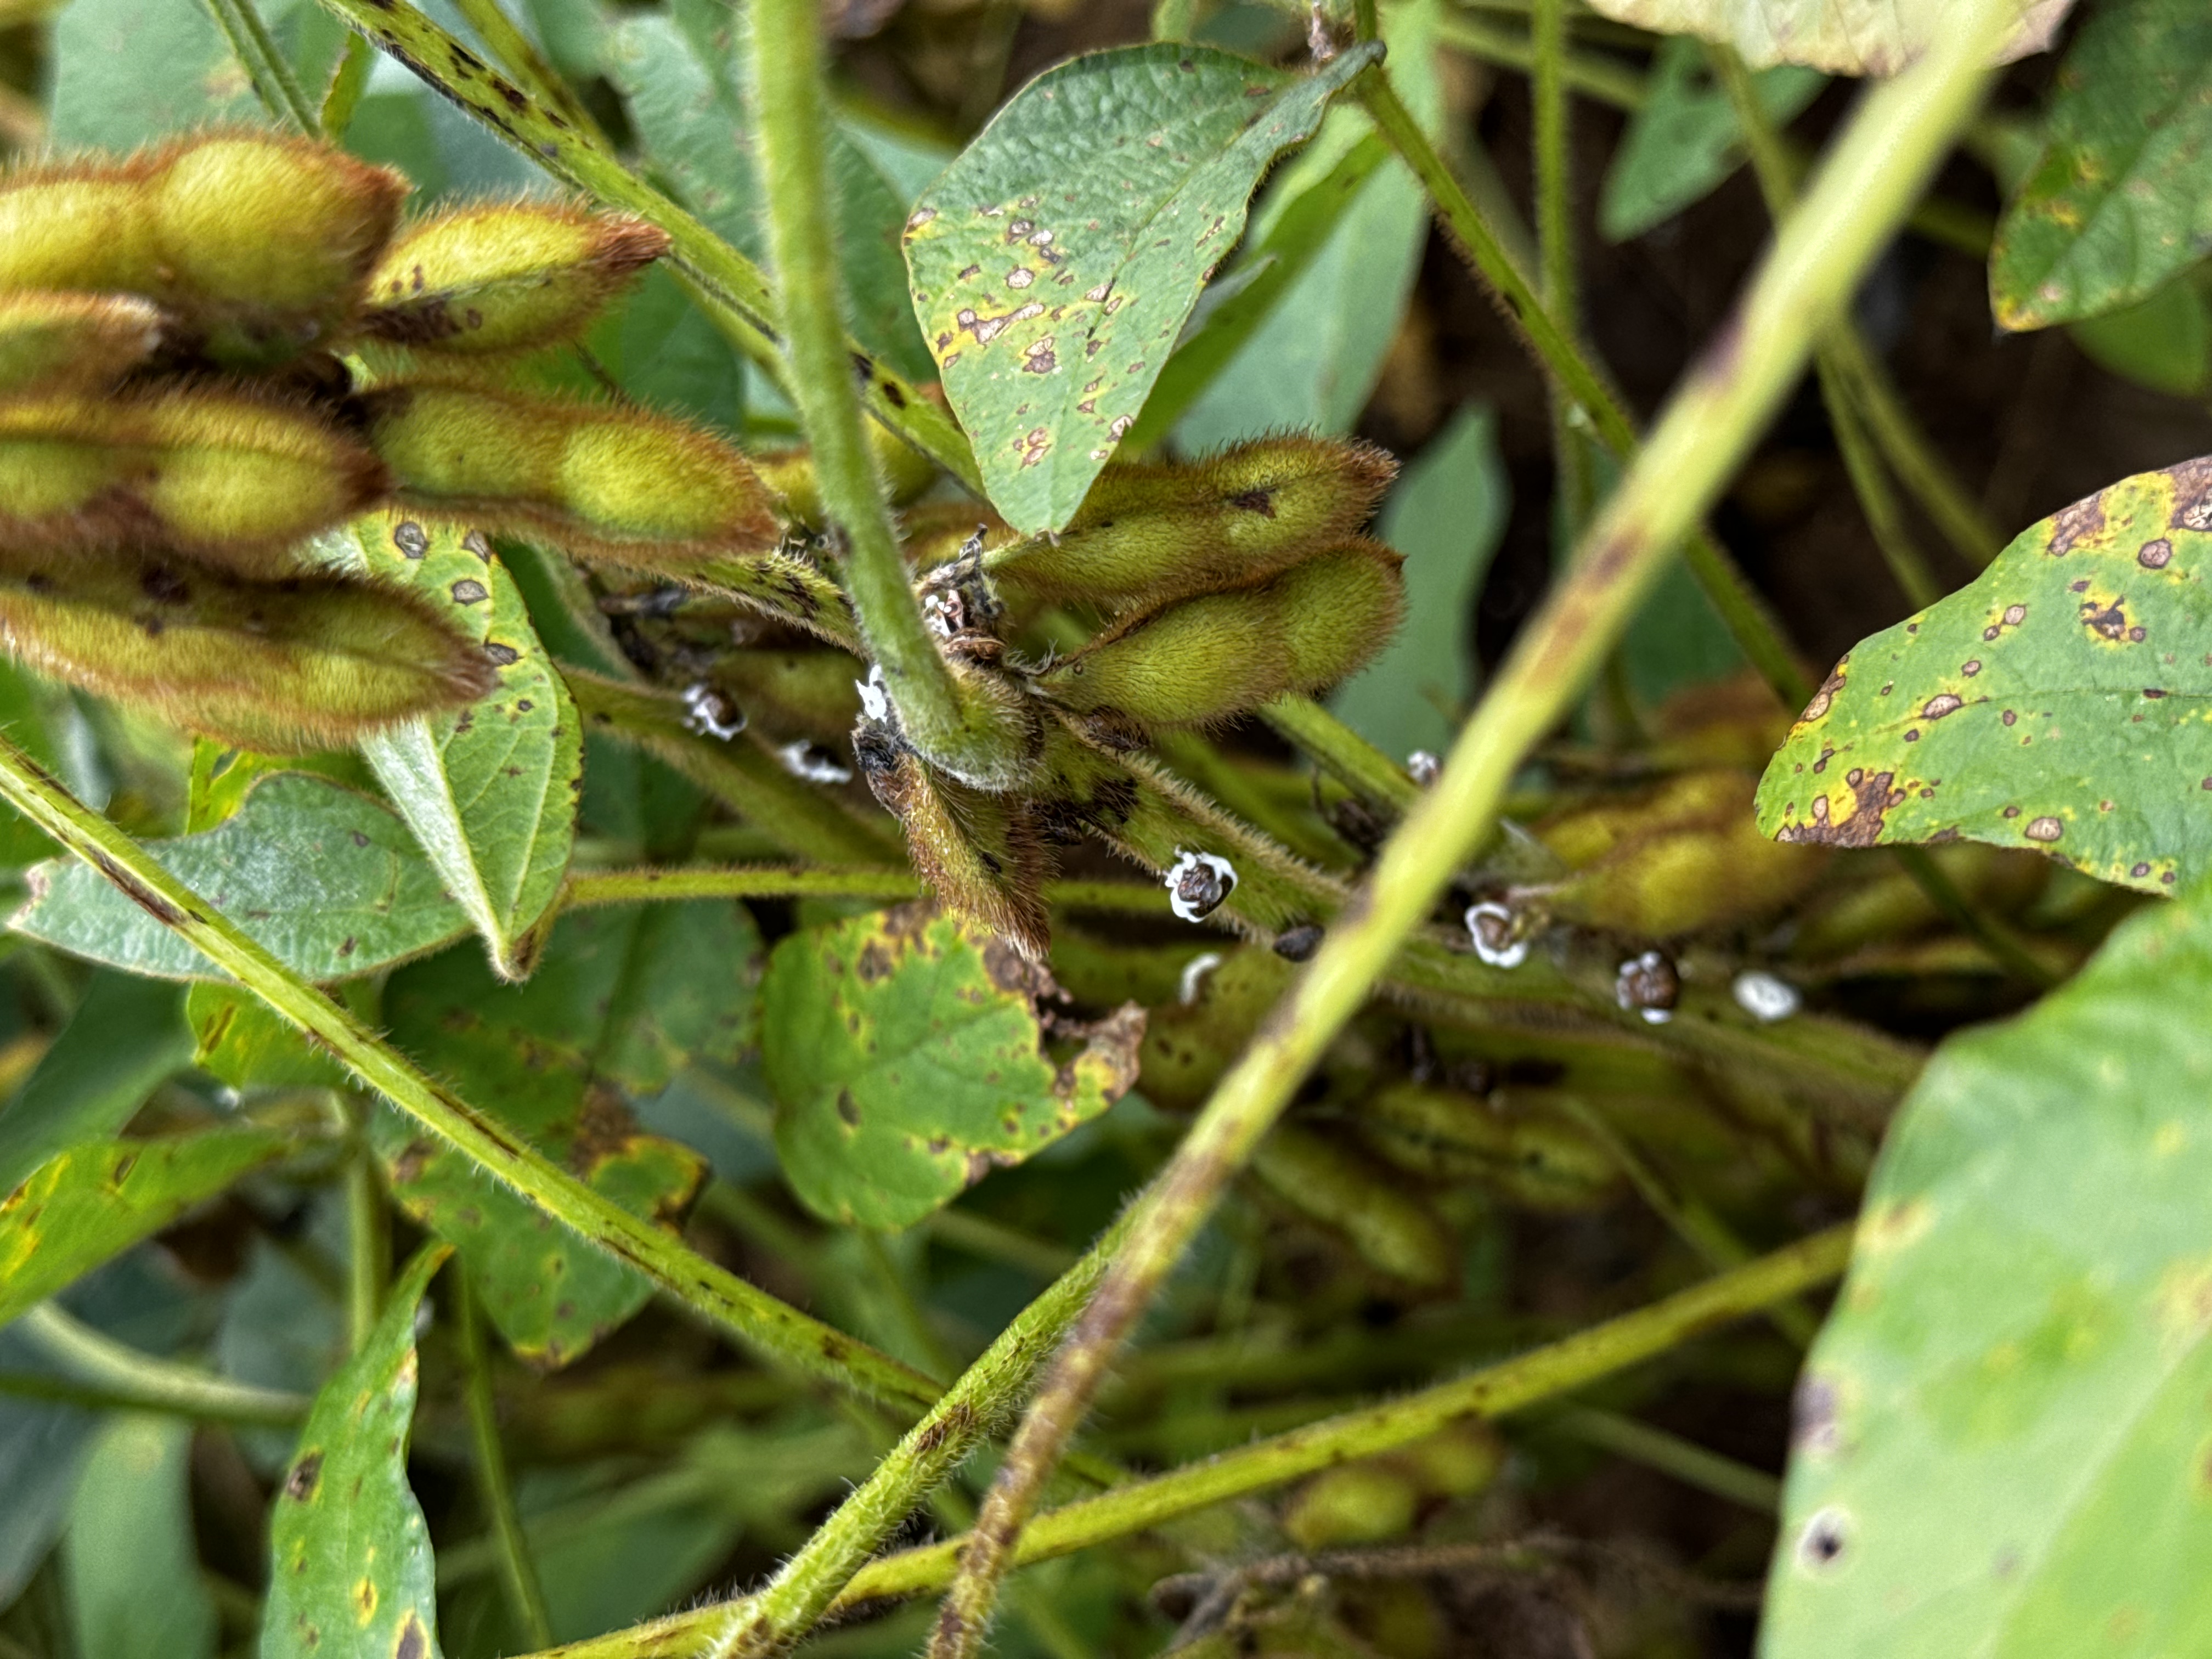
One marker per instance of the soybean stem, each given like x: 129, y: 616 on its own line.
x: 264, y: 65
x: 518, y: 1572
x: 125, y: 1377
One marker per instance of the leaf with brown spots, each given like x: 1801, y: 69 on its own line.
x: 2063, y: 701
x: 622, y: 1000
x: 89, y: 1204
x: 489, y: 790
x: 1845, y: 37
x: 1056, y: 260
x: 907, y: 1058
x: 2001, y: 1446
x: 350, y: 1573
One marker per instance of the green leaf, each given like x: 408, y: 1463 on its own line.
x: 622, y: 1000
x: 2001, y: 1436
x: 1445, y: 515
x: 123, y: 1040
x: 96, y: 1199
x: 2122, y: 199
x: 240, y: 1039
x: 1056, y: 261
x: 906, y: 1057
x: 685, y: 74
x: 1845, y: 37
x: 1685, y: 140
x: 2164, y: 342
x: 328, y: 880
x: 132, y: 1565
x: 350, y: 1573
x: 125, y: 72
x: 24, y: 704
x: 490, y: 791
x: 2053, y: 704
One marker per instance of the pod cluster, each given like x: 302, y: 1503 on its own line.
x: 214, y: 351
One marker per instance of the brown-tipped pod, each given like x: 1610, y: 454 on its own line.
x: 281, y: 667
x: 62, y: 342
x: 604, y: 481
x: 504, y: 276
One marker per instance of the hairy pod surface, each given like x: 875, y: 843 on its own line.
x: 225, y: 477
x: 1534, y: 1158
x: 1388, y: 1227
x: 1189, y: 1045
x: 976, y: 852
x: 804, y: 692
x: 1205, y: 659
x: 604, y: 481
x: 1146, y: 534
x: 258, y: 244
x: 280, y: 668
x: 63, y: 342
x: 905, y: 471
x: 504, y: 276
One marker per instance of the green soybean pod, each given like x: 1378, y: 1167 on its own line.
x: 59, y: 341
x: 1389, y: 1228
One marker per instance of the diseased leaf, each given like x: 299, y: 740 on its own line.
x: 623, y: 999
x: 240, y: 1039
x: 1445, y: 515
x: 1843, y: 37
x: 132, y: 1566
x: 905, y: 1056
x: 2122, y: 199
x: 1056, y: 261
x: 1686, y: 140
x: 96, y: 1199
x: 2001, y: 1445
x: 125, y: 1038
x: 2057, y: 703
x: 350, y: 1573
x: 489, y: 791
x: 328, y: 880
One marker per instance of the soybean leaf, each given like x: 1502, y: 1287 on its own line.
x: 125, y: 1038
x: 2056, y: 703
x: 685, y: 74
x: 328, y: 880
x: 1445, y: 515
x: 350, y: 1573
x: 2120, y: 201
x: 490, y: 790
x: 623, y: 999
x: 131, y: 1562
x: 125, y: 72
x: 1685, y: 140
x: 906, y: 1057
x: 23, y: 709
x: 96, y: 1199
x: 2001, y: 1439
x: 245, y: 1043
x: 1845, y: 37
x: 2164, y: 342
x: 1314, y: 361
x: 1056, y: 261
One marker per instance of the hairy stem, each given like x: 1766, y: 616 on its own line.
x: 739, y: 294
x: 1342, y: 753
x: 654, y: 886
x: 1875, y: 170
x: 126, y: 1377
x: 778, y: 1332
x: 1513, y: 1385
x: 347, y: 82
x: 264, y: 65
x: 950, y: 720
x: 513, y: 50
x: 518, y: 1573
x: 368, y: 1234
x: 1688, y: 1462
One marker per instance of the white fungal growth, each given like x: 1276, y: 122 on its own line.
x: 1423, y: 768
x: 1648, y: 985
x: 1764, y: 997
x: 710, y: 714
x: 1198, y: 884
x: 875, y: 701
x: 1194, y: 975
x: 1497, y: 934
x: 812, y: 762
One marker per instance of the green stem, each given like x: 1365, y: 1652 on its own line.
x: 771, y: 1620
x: 347, y: 82
x: 806, y: 821
x: 264, y: 65
x: 1967, y: 916
x: 1365, y: 24
x: 1342, y: 753
x: 1495, y: 1391
x: 124, y: 1376
x: 654, y: 886
x: 952, y: 720
x: 775, y: 1331
x: 1578, y: 383
x: 1875, y: 170
x: 368, y: 1238
x: 739, y: 294
x: 511, y: 49
x: 1602, y: 78
x: 1669, y: 1453
x: 518, y: 1572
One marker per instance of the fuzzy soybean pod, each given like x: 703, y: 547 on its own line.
x: 1532, y: 1158
x: 625, y: 485
x: 976, y: 852
x: 1206, y: 659
x: 1389, y: 1228
x: 283, y: 667
x: 257, y: 244
x: 504, y: 276
x: 906, y: 473
x: 51, y: 341
x: 229, y: 479
x: 1145, y: 534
